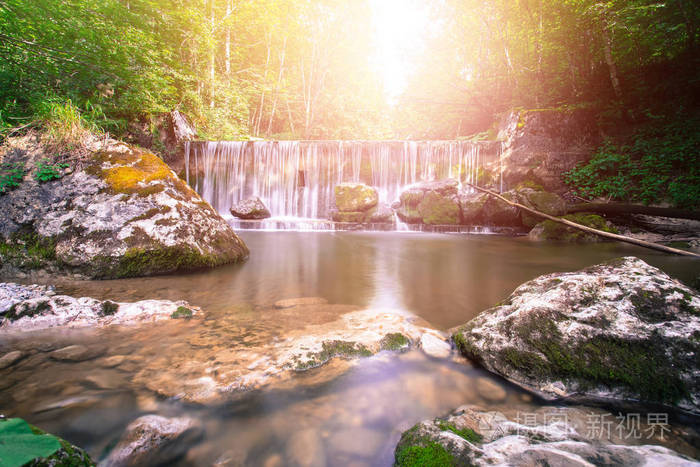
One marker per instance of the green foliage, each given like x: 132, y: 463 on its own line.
x: 659, y: 164
x: 11, y: 176
x: 19, y: 444
x: 46, y: 171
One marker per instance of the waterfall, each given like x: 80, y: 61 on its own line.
x: 296, y: 179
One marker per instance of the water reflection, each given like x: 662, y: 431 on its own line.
x: 446, y: 279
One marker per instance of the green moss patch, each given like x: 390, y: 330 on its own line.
x: 28, y: 250
x: 108, y: 308
x: 335, y: 348
x: 182, y: 312
x: 431, y: 454
x: 555, y: 231
x: 394, y: 341
x: 464, y: 433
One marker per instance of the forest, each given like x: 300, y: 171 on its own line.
x: 370, y: 70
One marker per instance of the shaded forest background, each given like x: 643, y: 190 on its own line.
x: 304, y: 69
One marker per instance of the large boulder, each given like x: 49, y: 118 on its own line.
x: 251, y: 208
x: 550, y: 230
x: 472, y: 205
x: 121, y: 213
x: 472, y: 436
x: 24, y: 308
x: 497, y: 213
x: 622, y: 332
x: 541, y: 144
x: 354, y: 197
x: 154, y: 440
x: 433, y: 203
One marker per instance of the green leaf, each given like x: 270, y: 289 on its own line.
x: 19, y: 444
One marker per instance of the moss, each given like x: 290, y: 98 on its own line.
x: 335, y: 348
x: 27, y: 249
x: 431, y: 454
x: 131, y: 172
x: 465, y: 433
x: 108, y: 308
x: 642, y: 366
x: 394, y: 341
x: 465, y: 346
x: 554, y: 231
x: 436, y: 209
x: 67, y: 456
x: 650, y: 306
x: 182, y: 312
x: 150, y: 190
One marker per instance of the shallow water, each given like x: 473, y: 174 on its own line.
x: 331, y: 415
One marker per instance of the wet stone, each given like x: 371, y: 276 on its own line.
x: 10, y: 359
x: 76, y: 353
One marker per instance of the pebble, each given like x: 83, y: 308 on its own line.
x: 435, y: 347
x: 114, y: 360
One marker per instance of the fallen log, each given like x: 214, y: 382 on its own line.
x: 619, y: 208
x: 622, y: 238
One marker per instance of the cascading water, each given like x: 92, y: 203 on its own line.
x: 296, y: 179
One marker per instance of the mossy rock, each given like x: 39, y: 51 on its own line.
x: 355, y: 197
x: 626, y: 345
x: 344, y: 216
x: 437, y: 209
x: 550, y: 230
x: 542, y: 201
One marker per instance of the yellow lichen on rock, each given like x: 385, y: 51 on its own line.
x: 134, y: 171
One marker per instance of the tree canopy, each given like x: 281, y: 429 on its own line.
x: 308, y: 68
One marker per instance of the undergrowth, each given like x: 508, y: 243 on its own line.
x: 658, y: 164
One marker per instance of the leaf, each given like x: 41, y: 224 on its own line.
x: 19, y: 444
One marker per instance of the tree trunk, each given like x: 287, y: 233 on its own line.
x: 228, y: 40
x: 607, y: 51
x: 212, y: 57
x: 277, y: 86
x: 622, y: 238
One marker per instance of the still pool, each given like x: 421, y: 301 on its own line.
x: 325, y: 417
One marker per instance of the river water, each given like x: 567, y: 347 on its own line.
x: 323, y: 417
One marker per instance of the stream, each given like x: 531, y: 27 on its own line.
x: 333, y: 415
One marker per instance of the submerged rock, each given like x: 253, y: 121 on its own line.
x: 550, y: 230
x: 473, y: 436
x: 10, y: 359
x: 124, y: 214
x: 622, y: 332
x: 251, y: 208
x: 47, y: 310
x: 154, y: 440
x: 210, y: 374
x: 354, y: 197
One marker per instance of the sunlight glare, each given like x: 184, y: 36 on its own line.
x: 399, y: 32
